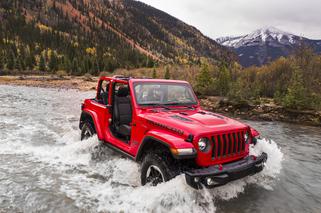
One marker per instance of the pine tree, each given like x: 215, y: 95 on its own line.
x: 53, y: 62
x: 1, y: 61
x: 30, y: 62
x: 296, y: 96
x: 42, y: 64
x: 11, y: 61
x: 167, y: 73
x: 74, y: 67
x: 154, y: 73
x: 204, y: 80
x: 19, y: 65
x: 223, y: 81
x: 149, y: 62
x: 67, y: 65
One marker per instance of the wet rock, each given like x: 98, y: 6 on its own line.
x: 268, y: 110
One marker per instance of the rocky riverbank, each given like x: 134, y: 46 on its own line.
x: 266, y: 110
x: 69, y: 82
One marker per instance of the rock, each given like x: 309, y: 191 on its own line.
x: 22, y: 78
x: 266, y: 117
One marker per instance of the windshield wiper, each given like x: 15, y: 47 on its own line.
x: 179, y: 104
x: 157, y: 105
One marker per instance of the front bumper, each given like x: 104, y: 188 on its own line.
x: 214, y: 176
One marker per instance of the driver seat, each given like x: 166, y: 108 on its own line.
x: 122, y: 112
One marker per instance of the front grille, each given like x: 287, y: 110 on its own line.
x: 229, y: 144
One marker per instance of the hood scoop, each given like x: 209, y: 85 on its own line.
x: 210, y: 113
x: 177, y: 117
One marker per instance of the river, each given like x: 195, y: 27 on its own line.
x: 44, y: 167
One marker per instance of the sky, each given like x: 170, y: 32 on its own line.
x: 217, y: 18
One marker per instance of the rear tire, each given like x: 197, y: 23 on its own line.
x: 158, y: 168
x: 87, y: 131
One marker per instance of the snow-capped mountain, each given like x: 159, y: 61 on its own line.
x: 266, y: 44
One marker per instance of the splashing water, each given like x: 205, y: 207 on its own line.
x: 45, y: 166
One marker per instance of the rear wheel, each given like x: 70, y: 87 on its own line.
x: 157, y: 168
x: 87, y: 131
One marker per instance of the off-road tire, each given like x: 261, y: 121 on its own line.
x: 87, y: 130
x: 163, y: 161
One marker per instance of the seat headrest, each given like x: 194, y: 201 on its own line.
x: 122, y: 92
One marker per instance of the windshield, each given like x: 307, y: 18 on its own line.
x: 164, y: 94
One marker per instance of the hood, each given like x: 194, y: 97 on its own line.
x: 194, y: 122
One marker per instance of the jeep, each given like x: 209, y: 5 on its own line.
x: 160, y: 124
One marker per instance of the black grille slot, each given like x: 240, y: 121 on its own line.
x: 219, y: 146
x: 235, y: 141
x: 214, y: 151
x: 230, y: 141
x: 224, y: 145
x: 239, y: 141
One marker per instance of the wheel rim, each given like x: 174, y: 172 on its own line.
x: 154, y: 175
x: 87, y: 133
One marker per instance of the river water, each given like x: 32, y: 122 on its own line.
x: 44, y: 167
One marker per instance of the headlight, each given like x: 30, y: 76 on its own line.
x: 203, y: 144
x: 247, y: 137
x: 254, y: 140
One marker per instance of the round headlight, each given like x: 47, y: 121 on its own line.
x: 203, y: 144
x: 246, y: 137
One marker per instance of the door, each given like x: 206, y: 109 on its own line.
x: 121, y: 115
x: 103, y: 106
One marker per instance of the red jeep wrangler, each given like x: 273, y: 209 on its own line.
x: 160, y: 124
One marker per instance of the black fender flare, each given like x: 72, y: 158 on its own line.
x: 145, y: 143
x: 86, y: 116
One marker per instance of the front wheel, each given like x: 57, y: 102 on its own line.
x: 87, y: 131
x: 157, y: 169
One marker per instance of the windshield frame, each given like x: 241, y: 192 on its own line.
x: 196, y: 103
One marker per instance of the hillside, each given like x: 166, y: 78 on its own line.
x: 265, y: 45
x: 82, y: 36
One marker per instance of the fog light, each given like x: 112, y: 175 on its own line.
x: 196, y: 180
x: 210, y: 181
x: 185, y: 151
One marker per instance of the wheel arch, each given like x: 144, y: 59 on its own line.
x: 90, y: 117
x: 85, y: 116
x: 151, y: 143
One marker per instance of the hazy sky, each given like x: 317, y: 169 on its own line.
x: 216, y: 18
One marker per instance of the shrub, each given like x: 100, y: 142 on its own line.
x: 104, y: 73
x: 88, y: 77
x: 61, y: 73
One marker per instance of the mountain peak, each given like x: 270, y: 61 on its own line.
x: 271, y: 29
x: 272, y: 32
x: 265, y: 44
x: 259, y: 36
